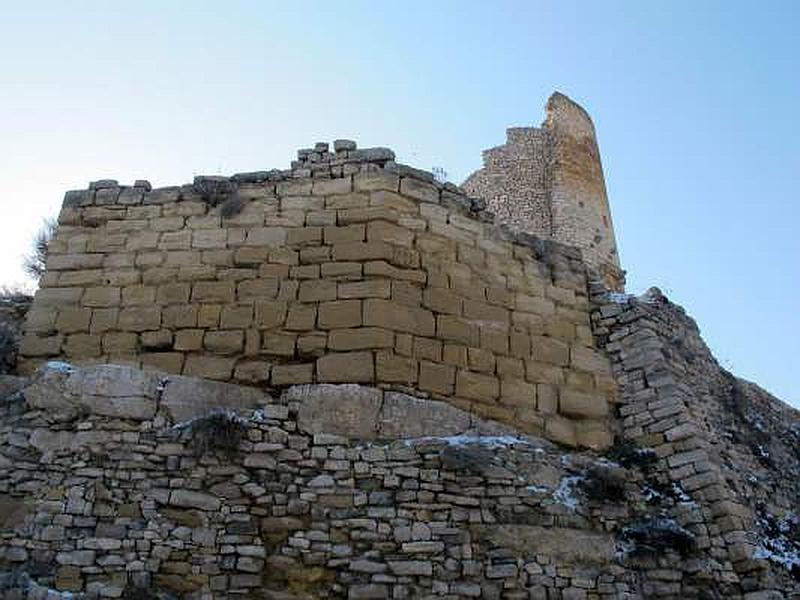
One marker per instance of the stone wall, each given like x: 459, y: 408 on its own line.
x: 730, y: 453
x: 345, y: 268
x: 13, y: 309
x: 117, y: 482
x: 549, y: 181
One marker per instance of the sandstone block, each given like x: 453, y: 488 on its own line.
x: 301, y: 317
x: 257, y: 289
x: 360, y: 338
x: 403, y: 416
x: 214, y: 291
x: 224, y: 342
x: 72, y: 319
x: 119, y: 343
x: 326, y: 187
x: 476, y: 386
x: 436, y: 377
x: 210, y: 367
x: 371, y: 288
x: 139, y: 318
x: 173, y: 293
x: 269, y: 313
x: 347, y: 410
x: 138, y: 295
x: 419, y: 190
x: 351, y: 367
x: 269, y: 237
x: 167, y: 362
x: 252, y: 371
x: 35, y: 345
x: 587, y: 359
x: 376, y: 180
x: 156, y: 340
x: 582, y: 406
x: 339, y: 313
x: 560, y: 430
x: 278, y: 344
x: 292, y: 374
x: 392, y: 315
x: 81, y: 346
x: 442, y: 300
x: 382, y: 231
x: 456, y: 329
x: 392, y: 368
x: 550, y: 351
x: 317, y: 291
x: 518, y: 392
x: 101, y: 296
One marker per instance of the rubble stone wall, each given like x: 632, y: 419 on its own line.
x: 549, y: 181
x: 346, y: 268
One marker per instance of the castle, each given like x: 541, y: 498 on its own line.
x: 347, y: 379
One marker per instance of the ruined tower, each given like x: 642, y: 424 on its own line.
x: 548, y: 181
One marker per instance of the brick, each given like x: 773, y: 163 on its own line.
x: 340, y: 313
x: 100, y: 297
x: 582, y: 406
x: 269, y: 314
x: 392, y: 315
x: 436, y: 377
x: 140, y: 318
x: 392, y: 368
x: 224, y: 342
x: 210, y: 367
x: 317, y: 291
x: 292, y: 374
x: 456, y: 329
x: 361, y: 338
x: 346, y: 367
x: 419, y: 190
x: 371, y: 288
x: 476, y: 386
x: 214, y: 291
x: 301, y: 317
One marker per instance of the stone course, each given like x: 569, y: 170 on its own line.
x: 346, y: 268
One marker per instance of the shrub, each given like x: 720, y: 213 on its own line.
x: 603, y: 484
x: 218, y: 431
x: 36, y: 261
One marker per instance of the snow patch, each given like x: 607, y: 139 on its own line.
x: 58, y: 366
x: 461, y: 440
x: 565, y: 492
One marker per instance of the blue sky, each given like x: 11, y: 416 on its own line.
x: 694, y: 104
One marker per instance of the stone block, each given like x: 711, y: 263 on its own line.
x: 119, y: 343
x: 589, y: 360
x: 560, y: 430
x: 81, y: 346
x: 371, y: 288
x: 326, y: 187
x: 139, y: 318
x: 436, y: 377
x: 224, y: 342
x: 582, y: 406
x: 518, y: 392
x: 393, y: 368
x: 36, y: 345
x: 317, y: 291
x: 376, y: 180
x: 382, y: 231
x: 266, y: 237
x: 403, y: 416
x: 393, y: 315
x: 211, y: 367
x: 278, y: 344
x: 214, y: 291
x: 270, y: 314
x: 442, y: 300
x: 350, y: 410
x: 156, y: 340
x: 292, y: 374
x: 193, y: 499
x: 476, y: 386
x: 359, y: 251
x: 339, y: 314
x: 301, y: 317
x: 456, y: 329
x: 173, y: 293
x: 550, y: 351
x: 361, y: 338
x: 138, y: 295
x: 72, y: 319
x: 419, y: 190
x: 101, y: 297
x: 252, y: 371
x: 257, y: 289
x: 351, y: 367
x: 166, y: 362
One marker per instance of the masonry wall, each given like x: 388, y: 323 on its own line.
x: 549, y: 181
x: 347, y: 268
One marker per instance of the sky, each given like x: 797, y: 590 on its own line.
x: 694, y: 104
